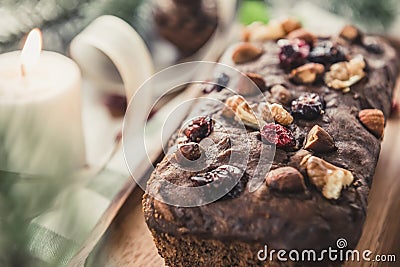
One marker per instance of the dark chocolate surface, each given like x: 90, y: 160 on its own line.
x: 288, y: 220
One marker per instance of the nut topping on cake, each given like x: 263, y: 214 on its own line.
x: 285, y: 179
x: 257, y: 79
x: 259, y: 32
x: 245, y: 114
x: 281, y: 94
x: 373, y: 120
x: 319, y: 140
x: 342, y: 75
x: 264, y: 111
x: 290, y: 24
x: 251, y: 84
x: 307, y: 73
x: 351, y: 33
x: 231, y: 105
x: 246, y: 52
x: 280, y: 114
x: 328, y: 178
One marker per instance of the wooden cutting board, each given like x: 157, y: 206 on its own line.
x: 128, y: 242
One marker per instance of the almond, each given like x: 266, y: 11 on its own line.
x: 307, y: 73
x: 319, y: 140
x: 373, y: 120
x: 285, y: 179
x: 245, y: 52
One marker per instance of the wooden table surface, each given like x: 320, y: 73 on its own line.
x: 128, y: 242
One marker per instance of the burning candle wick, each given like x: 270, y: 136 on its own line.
x: 31, y: 51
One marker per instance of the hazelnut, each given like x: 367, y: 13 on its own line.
x: 329, y: 178
x: 285, y: 179
x: 351, y: 33
x: 319, y: 140
x: 303, y: 34
x: 257, y: 79
x: 307, y: 73
x: 231, y: 105
x: 252, y: 84
x: 245, y: 52
x: 373, y: 120
x: 290, y: 24
x: 281, y: 94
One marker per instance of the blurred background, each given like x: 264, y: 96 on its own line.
x: 61, y: 20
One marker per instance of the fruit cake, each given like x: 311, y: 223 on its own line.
x: 321, y: 106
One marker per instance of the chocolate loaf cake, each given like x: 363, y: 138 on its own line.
x: 321, y: 107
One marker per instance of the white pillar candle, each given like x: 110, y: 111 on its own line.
x: 40, y: 112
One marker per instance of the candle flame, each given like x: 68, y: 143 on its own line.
x: 31, y: 52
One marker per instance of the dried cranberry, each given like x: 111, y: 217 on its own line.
x: 199, y: 128
x: 293, y: 53
x: 222, y: 178
x: 309, y: 106
x: 326, y: 52
x: 277, y: 134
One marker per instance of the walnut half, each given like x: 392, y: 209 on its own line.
x: 329, y: 178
